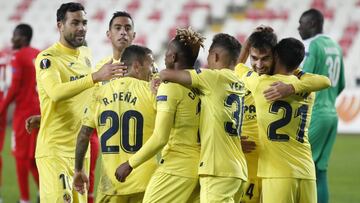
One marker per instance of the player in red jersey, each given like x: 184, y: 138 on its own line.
x: 23, y: 92
x: 5, y: 77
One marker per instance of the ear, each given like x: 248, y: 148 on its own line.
x: 108, y: 34
x: 217, y: 57
x: 134, y: 35
x: 174, y: 57
x: 59, y: 25
x: 136, y: 67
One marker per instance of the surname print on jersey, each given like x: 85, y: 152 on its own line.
x: 119, y: 97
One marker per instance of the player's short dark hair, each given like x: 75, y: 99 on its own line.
x: 263, y: 40
x: 290, y: 52
x: 120, y: 14
x: 68, y: 7
x: 229, y: 43
x: 25, y: 30
x: 188, y: 43
x: 317, y: 17
x: 134, y: 53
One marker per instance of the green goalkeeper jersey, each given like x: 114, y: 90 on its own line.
x: 324, y: 57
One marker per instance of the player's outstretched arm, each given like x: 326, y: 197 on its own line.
x: 80, y: 178
x: 160, y: 137
x: 108, y: 71
x: 177, y: 76
x: 244, y: 53
x: 308, y: 83
x: 32, y: 123
x: 57, y: 90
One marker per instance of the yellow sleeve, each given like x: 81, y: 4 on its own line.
x: 204, y: 79
x: 88, y: 117
x: 310, y: 82
x: 49, y: 76
x: 241, y: 69
x: 167, y: 100
x: 251, y: 80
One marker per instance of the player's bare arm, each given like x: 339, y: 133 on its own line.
x: 33, y: 122
x: 244, y: 53
x: 80, y: 178
x: 178, y: 76
x: 108, y: 71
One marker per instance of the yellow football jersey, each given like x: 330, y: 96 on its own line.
x: 64, y: 82
x: 249, y: 124
x: 283, y: 130
x: 123, y: 113
x: 222, y: 100
x: 181, y: 154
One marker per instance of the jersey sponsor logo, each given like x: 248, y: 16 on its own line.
x: 249, y: 109
x: 249, y: 73
x: 198, y: 70
x: 161, y: 98
x: 45, y: 64
x: 76, y: 77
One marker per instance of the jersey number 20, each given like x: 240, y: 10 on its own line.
x: 124, y: 123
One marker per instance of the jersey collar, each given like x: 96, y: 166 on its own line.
x: 67, y: 50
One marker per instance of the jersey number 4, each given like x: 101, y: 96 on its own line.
x: 286, y: 118
x: 124, y: 123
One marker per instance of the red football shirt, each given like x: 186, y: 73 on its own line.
x: 23, y: 92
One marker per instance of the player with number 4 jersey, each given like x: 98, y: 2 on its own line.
x: 285, y: 163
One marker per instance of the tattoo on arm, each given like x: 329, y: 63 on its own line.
x: 81, y: 146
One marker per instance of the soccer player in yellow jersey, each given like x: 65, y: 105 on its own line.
x: 123, y: 113
x: 176, y: 129
x: 121, y: 34
x: 285, y: 163
x: 222, y: 166
x: 63, y: 74
x: 259, y: 46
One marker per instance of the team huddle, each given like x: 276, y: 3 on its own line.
x: 225, y: 133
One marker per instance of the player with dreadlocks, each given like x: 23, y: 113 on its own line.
x: 222, y: 167
x: 176, y: 131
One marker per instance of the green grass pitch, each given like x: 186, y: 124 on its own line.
x: 344, y: 172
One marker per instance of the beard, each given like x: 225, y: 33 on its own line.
x: 74, y: 40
